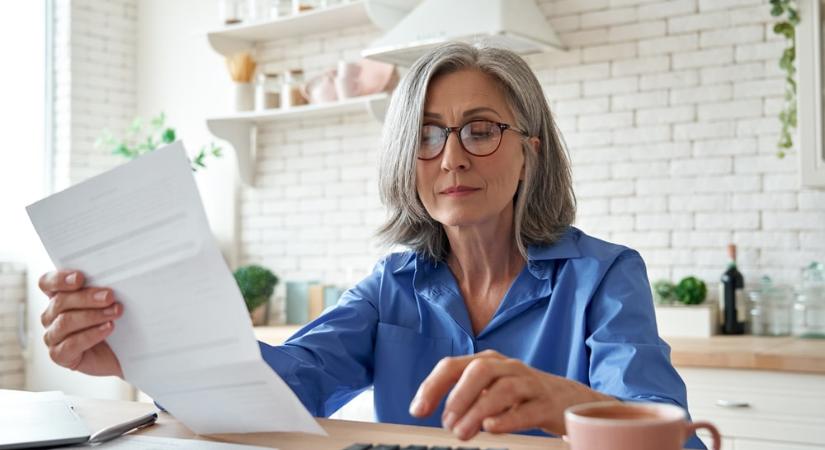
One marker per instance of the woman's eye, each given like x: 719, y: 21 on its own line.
x: 480, y: 131
x: 430, y: 135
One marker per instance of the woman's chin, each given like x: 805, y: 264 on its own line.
x: 461, y: 221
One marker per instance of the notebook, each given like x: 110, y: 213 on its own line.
x: 38, y: 419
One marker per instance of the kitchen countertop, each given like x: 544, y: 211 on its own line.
x: 785, y: 354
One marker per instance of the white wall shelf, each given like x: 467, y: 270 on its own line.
x: 236, y: 38
x: 240, y: 129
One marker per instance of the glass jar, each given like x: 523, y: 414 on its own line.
x: 229, y: 11
x: 280, y: 8
x: 257, y: 10
x: 291, y: 91
x: 809, y: 307
x: 300, y: 6
x: 267, y: 91
x: 769, y: 312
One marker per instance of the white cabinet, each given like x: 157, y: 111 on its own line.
x: 759, y: 410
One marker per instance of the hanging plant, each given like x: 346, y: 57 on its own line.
x: 787, y: 10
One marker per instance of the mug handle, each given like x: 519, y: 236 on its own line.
x: 717, y: 438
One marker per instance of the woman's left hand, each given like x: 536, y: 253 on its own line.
x: 498, y: 394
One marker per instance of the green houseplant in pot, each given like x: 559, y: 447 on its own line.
x: 681, y: 310
x: 257, y: 284
x: 691, y: 291
x: 663, y: 292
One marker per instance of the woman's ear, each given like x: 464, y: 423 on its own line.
x: 535, y: 143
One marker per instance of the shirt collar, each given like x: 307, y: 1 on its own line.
x: 435, y: 283
x: 565, y: 248
x: 539, y: 257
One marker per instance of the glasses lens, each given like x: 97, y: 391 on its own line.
x: 480, y: 137
x: 432, y: 140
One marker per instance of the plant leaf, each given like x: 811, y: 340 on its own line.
x: 776, y: 10
x: 168, y: 136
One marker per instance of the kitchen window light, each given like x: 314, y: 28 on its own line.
x: 810, y: 47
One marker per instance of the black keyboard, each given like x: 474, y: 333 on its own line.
x: 410, y: 447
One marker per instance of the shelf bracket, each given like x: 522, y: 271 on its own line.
x: 227, y: 45
x: 243, y: 137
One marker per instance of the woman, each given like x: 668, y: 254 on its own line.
x: 499, y: 317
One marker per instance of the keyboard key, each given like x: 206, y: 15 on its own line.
x: 386, y: 447
x: 359, y: 447
x: 415, y: 447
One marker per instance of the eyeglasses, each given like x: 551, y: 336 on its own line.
x: 478, y: 138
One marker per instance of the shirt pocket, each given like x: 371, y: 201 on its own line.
x: 403, y: 358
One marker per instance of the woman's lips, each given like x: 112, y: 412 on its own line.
x: 459, y: 191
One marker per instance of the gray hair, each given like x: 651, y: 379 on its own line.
x: 545, y: 205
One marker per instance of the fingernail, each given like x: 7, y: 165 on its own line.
x: 105, y: 326
x: 71, y: 278
x: 110, y: 311
x: 449, y: 420
x: 489, y: 422
x: 460, y: 431
x: 416, y: 407
x: 101, y: 296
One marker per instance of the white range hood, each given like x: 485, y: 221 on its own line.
x: 518, y: 25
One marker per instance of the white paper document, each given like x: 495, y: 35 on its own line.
x: 164, y: 443
x: 185, y: 337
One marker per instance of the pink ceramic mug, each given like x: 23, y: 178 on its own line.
x: 631, y: 426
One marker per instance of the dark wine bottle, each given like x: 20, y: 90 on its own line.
x: 732, y: 297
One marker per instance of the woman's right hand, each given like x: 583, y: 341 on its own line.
x: 77, y: 321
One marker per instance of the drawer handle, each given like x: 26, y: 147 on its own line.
x: 732, y: 404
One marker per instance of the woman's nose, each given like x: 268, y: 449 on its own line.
x: 454, y: 156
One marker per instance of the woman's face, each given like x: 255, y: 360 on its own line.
x: 456, y: 187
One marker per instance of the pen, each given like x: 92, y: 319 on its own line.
x: 114, y: 431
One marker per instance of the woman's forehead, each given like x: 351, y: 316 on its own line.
x: 462, y: 91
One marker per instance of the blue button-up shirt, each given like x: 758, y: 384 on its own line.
x: 581, y: 308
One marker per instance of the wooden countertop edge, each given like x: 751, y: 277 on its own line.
x: 750, y: 352
x: 784, y: 354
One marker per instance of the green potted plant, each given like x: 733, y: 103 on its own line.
x: 257, y: 284
x: 681, y: 310
x: 142, y: 138
x: 663, y: 292
x: 691, y: 291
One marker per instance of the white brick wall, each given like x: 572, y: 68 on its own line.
x: 669, y: 110
x: 12, y: 299
x: 95, y: 57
